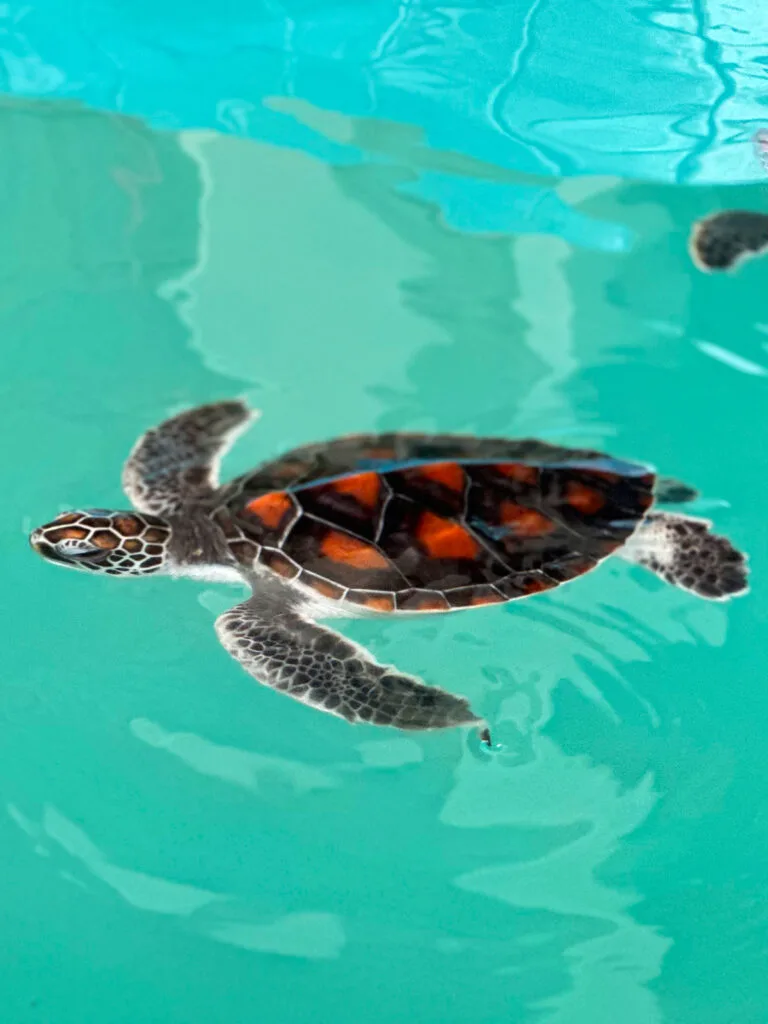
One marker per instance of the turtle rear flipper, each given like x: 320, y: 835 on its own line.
x: 683, y: 552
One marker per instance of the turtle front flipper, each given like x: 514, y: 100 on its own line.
x: 317, y: 666
x: 683, y: 551
x: 177, y: 463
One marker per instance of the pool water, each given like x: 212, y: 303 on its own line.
x: 181, y: 845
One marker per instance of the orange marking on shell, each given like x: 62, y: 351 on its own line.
x: 525, y: 522
x: 271, y: 508
x: 442, y: 538
x: 380, y: 604
x: 128, y: 526
x: 155, y: 536
x: 519, y: 472
x: 583, y: 498
x: 329, y: 590
x: 67, y: 517
x: 577, y: 567
x: 489, y: 598
x: 428, y: 604
x: 132, y: 545
x: 365, y: 488
x: 341, y: 547
x: 536, y: 585
x: 377, y: 602
x: 278, y: 563
x: 105, y: 539
x: 67, y: 533
x: 448, y: 474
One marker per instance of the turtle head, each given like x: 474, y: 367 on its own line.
x: 116, y: 543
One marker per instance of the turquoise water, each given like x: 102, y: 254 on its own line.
x: 183, y: 846
x: 654, y: 90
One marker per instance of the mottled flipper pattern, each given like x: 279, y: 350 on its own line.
x: 325, y: 670
x: 683, y: 552
x: 721, y: 241
x: 176, y: 464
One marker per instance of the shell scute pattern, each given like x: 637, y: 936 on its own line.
x: 279, y: 563
x: 272, y: 514
x: 421, y: 601
x: 267, y: 517
x: 439, y: 535
x: 354, y: 502
x: 380, y: 601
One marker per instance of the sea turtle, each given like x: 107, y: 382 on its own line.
x: 377, y: 525
x: 723, y: 240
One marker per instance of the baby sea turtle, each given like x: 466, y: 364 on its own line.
x: 723, y: 240
x: 373, y: 525
x: 726, y: 239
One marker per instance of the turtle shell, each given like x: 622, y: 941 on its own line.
x: 433, y: 536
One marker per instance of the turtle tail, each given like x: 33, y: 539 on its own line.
x: 683, y: 551
x: 669, y: 491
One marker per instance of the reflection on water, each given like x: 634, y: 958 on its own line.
x: 613, y: 966
x: 671, y: 92
x: 311, y: 936
x: 607, y: 858
x: 243, y: 768
x: 307, y: 936
x: 142, y: 891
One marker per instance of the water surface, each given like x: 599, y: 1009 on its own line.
x: 183, y: 845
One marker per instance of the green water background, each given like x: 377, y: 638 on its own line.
x: 185, y: 847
